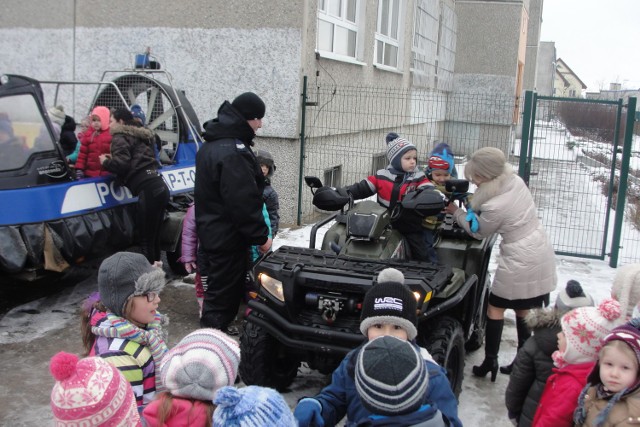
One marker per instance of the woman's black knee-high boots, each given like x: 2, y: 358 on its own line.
x: 491, y: 348
x: 523, y: 334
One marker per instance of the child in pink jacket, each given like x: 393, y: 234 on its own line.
x: 93, y: 144
x: 193, y: 263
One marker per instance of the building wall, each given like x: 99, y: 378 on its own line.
x: 533, y: 41
x: 545, y: 71
x: 213, y: 53
x: 212, y: 50
x: 491, y: 45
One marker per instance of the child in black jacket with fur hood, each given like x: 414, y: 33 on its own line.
x: 532, y: 366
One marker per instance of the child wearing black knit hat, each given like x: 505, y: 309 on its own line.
x: 533, y: 364
x: 388, y: 309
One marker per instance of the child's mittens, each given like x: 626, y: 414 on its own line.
x: 472, y: 219
x: 79, y: 174
x: 513, y: 417
x: 308, y: 413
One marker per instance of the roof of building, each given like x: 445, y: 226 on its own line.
x: 584, y: 86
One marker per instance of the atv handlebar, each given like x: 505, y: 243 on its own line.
x: 459, y: 190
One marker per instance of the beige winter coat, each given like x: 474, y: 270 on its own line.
x: 526, y: 265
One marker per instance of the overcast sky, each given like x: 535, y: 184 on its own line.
x: 598, y: 39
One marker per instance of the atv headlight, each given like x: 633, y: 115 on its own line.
x: 273, y: 286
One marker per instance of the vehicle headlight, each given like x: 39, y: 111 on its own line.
x: 271, y: 285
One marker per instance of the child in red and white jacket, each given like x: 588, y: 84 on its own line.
x: 392, y: 184
x: 578, y: 346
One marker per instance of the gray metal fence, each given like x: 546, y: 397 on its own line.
x: 345, y: 127
x: 343, y: 141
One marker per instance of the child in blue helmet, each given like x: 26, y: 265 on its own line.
x: 440, y: 169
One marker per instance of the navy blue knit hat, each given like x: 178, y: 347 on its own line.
x: 137, y: 113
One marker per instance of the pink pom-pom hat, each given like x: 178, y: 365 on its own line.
x: 585, y: 327
x: 90, y: 392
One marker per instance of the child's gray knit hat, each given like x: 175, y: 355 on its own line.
x: 125, y: 275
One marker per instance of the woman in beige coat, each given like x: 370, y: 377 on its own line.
x: 526, y: 272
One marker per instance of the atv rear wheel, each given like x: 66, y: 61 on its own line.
x: 264, y: 360
x: 445, y: 342
x: 476, y: 339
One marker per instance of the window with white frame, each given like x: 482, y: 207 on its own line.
x: 389, y: 33
x: 434, y: 44
x: 338, y: 27
x: 378, y: 161
x: 333, y: 176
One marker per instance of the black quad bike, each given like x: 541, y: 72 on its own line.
x: 309, y: 301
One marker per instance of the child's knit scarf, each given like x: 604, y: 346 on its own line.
x: 152, y: 337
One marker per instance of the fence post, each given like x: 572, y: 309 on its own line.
x: 302, y: 138
x: 622, y: 187
x: 524, y: 137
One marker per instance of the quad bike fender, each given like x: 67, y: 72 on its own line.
x: 454, y: 299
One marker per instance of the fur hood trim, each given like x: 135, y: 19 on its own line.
x: 153, y: 281
x: 542, y: 318
x: 491, y: 189
x: 135, y: 131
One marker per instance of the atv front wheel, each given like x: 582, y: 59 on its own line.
x: 445, y: 341
x: 264, y: 361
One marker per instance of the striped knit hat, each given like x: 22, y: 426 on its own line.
x: 390, y: 376
x: 200, y: 364
x: 396, y: 149
x: 251, y: 406
x: 90, y: 392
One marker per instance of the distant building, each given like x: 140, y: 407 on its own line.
x: 614, y: 92
x: 567, y: 83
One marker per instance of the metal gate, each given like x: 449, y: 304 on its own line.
x: 568, y: 157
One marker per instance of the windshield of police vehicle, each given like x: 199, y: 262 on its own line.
x: 22, y: 131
